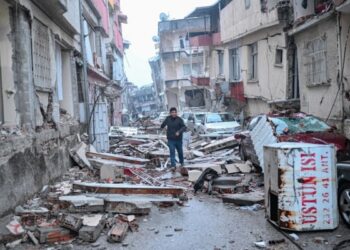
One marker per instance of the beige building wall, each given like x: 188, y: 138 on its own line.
x: 236, y: 20
x: 318, y: 100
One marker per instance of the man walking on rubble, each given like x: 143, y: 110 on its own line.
x: 175, y: 128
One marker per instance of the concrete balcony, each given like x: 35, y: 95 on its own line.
x: 343, y: 5
x: 205, y: 40
x: 200, y: 80
x: 55, y: 10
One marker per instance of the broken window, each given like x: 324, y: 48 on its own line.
x: 305, y: 124
x: 315, y: 61
x: 221, y: 61
x: 41, y: 55
x: 194, y: 98
x: 253, y: 61
x: 235, y: 70
x: 279, y: 56
x: 197, y: 69
x: 247, y: 4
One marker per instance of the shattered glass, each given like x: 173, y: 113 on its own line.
x: 301, y: 124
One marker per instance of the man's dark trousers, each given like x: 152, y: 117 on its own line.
x: 175, y: 144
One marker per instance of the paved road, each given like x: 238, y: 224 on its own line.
x: 207, y: 223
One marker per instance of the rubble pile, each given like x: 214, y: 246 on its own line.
x: 107, y: 193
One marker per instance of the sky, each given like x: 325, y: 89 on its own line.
x: 143, y: 17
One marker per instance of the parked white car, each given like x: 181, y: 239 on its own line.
x: 219, y: 125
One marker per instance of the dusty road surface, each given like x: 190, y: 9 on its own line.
x: 207, y: 223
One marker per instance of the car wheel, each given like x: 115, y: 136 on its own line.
x: 241, y: 153
x: 344, y: 203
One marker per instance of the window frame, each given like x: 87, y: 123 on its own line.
x: 235, y: 67
x: 315, y: 62
x: 253, y: 62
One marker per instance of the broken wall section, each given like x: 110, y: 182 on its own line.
x: 29, y: 162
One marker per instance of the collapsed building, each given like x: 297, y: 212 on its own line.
x: 48, y: 92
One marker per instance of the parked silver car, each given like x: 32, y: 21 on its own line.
x: 219, y: 125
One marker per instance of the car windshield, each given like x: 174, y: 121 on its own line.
x: 214, y: 118
x: 199, y: 117
x: 299, y: 124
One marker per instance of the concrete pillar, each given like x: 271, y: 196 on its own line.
x: 22, y: 66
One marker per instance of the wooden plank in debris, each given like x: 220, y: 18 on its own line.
x: 54, y: 234
x: 220, y: 144
x: 115, y: 157
x: 118, y: 231
x: 126, y: 188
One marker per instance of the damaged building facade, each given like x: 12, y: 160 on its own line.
x: 42, y: 89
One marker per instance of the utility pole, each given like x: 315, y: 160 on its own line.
x: 84, y: 78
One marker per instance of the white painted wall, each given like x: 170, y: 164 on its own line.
x: 237, y: 21
x: 318, y: 100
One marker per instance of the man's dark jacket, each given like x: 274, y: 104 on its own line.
x: 174, y: 124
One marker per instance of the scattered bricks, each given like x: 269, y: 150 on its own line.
x: 121, y: 207
x: 92, y: 227
x: 54, y: 234
x: 118, y: 231
x: 71, y: 222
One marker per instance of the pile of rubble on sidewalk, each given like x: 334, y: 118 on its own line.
x: 107, y: 193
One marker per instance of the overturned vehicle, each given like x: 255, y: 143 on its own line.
x: 297, y: 127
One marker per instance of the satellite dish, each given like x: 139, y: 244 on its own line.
x: 155, y: 39
x: 163, y: 17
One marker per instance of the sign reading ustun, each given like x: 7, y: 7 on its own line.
x: 301, y: 182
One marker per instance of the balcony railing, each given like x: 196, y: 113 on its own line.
x: 200, y: 80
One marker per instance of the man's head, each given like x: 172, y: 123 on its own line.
x: 173, y: 112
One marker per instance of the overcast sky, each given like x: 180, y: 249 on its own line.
x: 143, y: 17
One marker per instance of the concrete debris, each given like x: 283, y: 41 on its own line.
x: 54, y: 234
x: 260, y: 244
x: 294, y: 236
x: 71, y: 222
x: 104, y: 195
x: 246, y: 199
x: 118, y: 231
x: 15, y: 227
x: 13, y: 244
x: 33, y: 238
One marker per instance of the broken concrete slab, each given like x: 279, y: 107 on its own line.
x: 82, y: 203
x: 126, y: 188
x: 110, y: 172
x: 71, y: 222
x: 227, y: 180
x: 232, y: 168
x: 78, y: 153
x: 203, y: 166
x: 118, y: 231
x: 120, y: 158
x: 220, y: 144
x: 246, y: 199
x: 92, y: 227
x: 136, y: 197
x: 54, y: 234
x: 122, y: 207
x: 245, y: 167
x: 193, y: 175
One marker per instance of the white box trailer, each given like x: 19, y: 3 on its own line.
x: 301, y: 186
